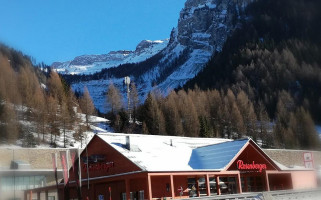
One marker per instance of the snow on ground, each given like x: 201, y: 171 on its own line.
x: 98, y: 124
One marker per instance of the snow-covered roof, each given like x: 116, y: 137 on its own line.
x: 159, y: 153
x: 216, y: 156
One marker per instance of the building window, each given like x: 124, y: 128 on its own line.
x: 228, y: 185
x: 123, y: 196
x: 22, y: 182
x: 254, y: 184
x: 250, y: 184
x: 213, y: 189
x: 192, y: 187
x: 141, y: 195
x: 202, y: 186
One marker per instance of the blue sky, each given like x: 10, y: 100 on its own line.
x: 59, y: 30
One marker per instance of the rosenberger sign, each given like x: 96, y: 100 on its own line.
x: 96, y: 163
x: 250, y: 166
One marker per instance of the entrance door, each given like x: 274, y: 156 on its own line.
x: 252, y: 183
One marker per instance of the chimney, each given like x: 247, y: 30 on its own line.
x: 128, y: 142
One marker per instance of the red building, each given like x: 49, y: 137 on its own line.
x: 153, y: 167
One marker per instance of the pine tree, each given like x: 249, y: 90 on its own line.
x: 204, y: 127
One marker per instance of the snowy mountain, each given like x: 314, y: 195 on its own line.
x: 89, y: 64
x: 202, y: 29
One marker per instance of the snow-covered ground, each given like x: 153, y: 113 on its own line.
x: 98, y: 124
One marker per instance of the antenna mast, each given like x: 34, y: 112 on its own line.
x: 127, y: 82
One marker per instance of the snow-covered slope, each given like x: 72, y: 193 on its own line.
x: 89, y: 64
x: 203, y: 28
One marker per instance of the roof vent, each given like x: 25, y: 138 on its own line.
x: 130, y: 146
x: 128, y: 142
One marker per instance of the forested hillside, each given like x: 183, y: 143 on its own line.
x: 275, y: 58
x: 34, y: 104
x: 265, y: 83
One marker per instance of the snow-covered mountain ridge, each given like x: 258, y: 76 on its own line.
x: 89, y: 64
x: 202, y: 29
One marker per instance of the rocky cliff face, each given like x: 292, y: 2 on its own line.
x: 203, y: 28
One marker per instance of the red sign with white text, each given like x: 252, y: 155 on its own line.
x: 96, y: 163
x: 250, y: 166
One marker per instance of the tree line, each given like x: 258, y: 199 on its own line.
x: 222, y: 114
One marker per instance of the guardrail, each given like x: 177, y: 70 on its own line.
x: 310, y: 194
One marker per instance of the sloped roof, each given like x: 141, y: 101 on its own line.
x: 215, y: 157
x: 155, y: 153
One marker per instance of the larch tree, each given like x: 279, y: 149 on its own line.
x: 134, y: 99
x: 246, y: 109
x: 39, y: 112
x: 56, y: 87
x: 264, y: 121
x: 9, y: 123
x: 188, y: 114
x: 87, y: 106
x: 52, y: 114
x: 153, y: 116
x: 172, y: 117
x: 285, y: 107
x: 215, y: 108
x: 304, y: 129
x: 113, y: 99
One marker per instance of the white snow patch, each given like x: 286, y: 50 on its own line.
x: 155, y: 153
